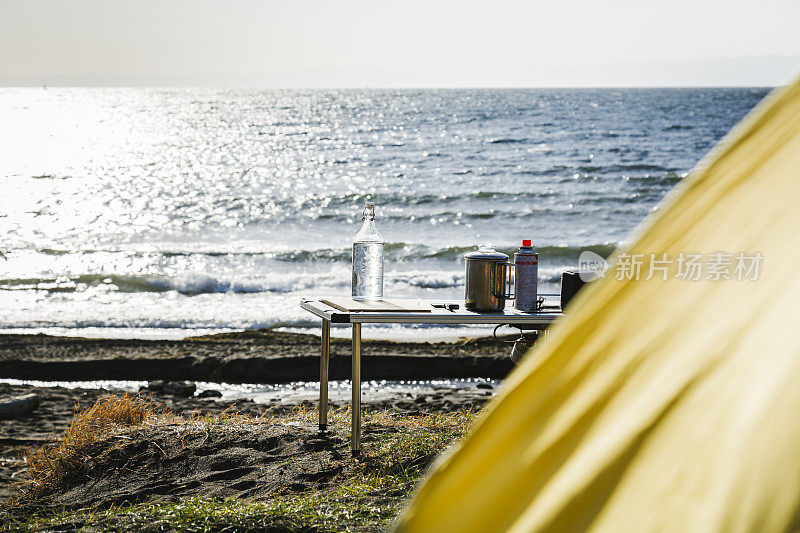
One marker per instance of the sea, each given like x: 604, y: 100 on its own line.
x: 166, y: 213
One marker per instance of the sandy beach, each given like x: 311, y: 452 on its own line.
x: 221, y: 464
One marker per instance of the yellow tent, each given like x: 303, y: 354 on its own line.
x: 663, y: 404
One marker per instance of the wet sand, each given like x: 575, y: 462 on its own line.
x: 249, y: 357
x: 261, y: 356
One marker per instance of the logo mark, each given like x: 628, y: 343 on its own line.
x: 591, y: 266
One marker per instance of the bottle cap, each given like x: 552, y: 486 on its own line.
x: 526, y: 242
x: 369, y: 211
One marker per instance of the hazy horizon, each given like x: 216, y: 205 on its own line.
x: 356, y: 44
x: 712, y: 72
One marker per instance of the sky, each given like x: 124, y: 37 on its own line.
x: 369, y: 43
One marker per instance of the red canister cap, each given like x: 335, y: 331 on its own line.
x: 526, y: 242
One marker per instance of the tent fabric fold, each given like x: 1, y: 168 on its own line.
x: 662, y: 402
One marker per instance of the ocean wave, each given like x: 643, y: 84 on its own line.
x: 505, y: 140
x: 305, y: 321
x: 669, y: 178
x: 551, y: 253
x: 427, y: 279
x: 204, y: 284
x: 197, y: 283
x: 54, y: 251
x: 194, y: 284
x: 607, y: 201
x: 656, y: 183
x: 332, y: 203
x: 630, y: 167
x: 189, y: 284
x: 394, y: 251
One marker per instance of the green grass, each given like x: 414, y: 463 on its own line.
x: 388, y: 471
x: 345, y: 511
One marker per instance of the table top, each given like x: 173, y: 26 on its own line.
x: 550, y: 313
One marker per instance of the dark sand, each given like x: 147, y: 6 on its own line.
x: 223, y: 463
x: 58, y: 405
x: 249, y: 357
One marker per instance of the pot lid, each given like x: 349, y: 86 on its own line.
x: 486, y: 251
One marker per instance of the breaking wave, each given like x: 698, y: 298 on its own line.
x: 395, y: 251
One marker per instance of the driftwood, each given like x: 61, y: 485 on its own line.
x: 18, y: 405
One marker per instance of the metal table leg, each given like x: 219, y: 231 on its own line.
x: 355, y: 437
x: 325, y: 352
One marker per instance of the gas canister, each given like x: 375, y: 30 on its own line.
x: 526, y: 277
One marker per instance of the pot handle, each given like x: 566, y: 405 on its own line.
x: 507, y: 290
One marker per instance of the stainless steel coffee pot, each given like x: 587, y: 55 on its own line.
x: 488, y: 273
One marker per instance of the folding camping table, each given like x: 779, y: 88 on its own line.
x: 424, y: 313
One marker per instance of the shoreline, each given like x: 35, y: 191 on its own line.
x: 253, y: 356
x: 376, y: 332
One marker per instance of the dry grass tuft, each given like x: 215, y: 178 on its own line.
x: 51, y: 464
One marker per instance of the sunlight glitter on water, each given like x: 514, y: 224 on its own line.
x: 208, y: 209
